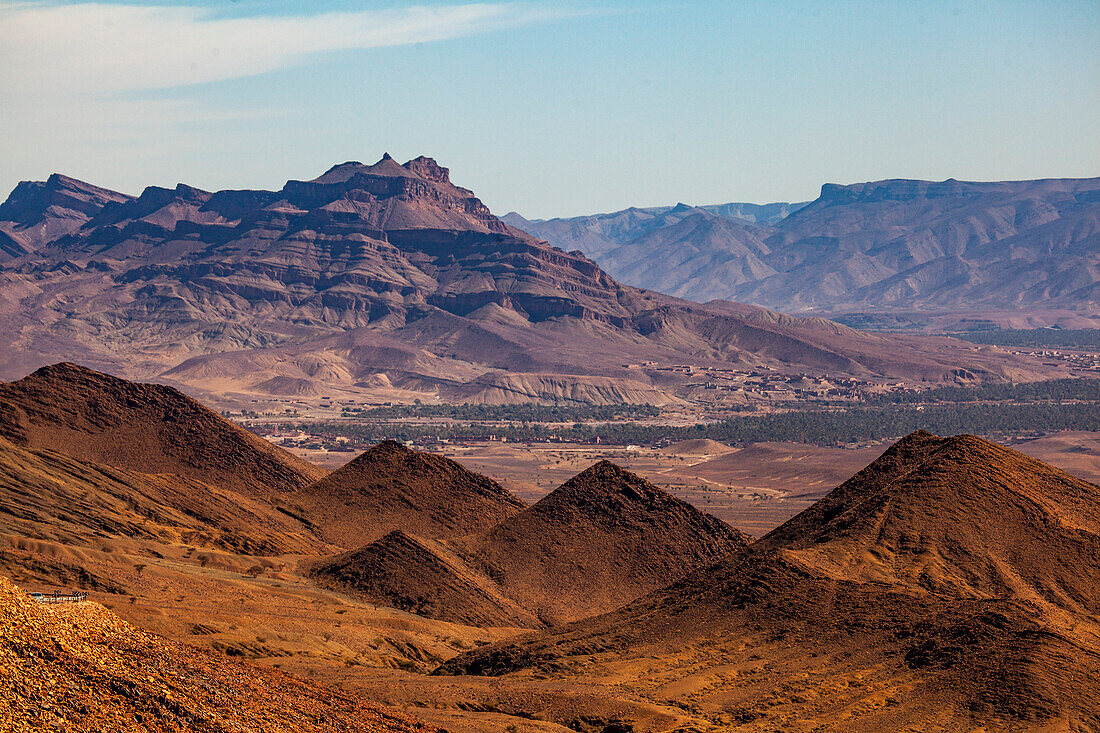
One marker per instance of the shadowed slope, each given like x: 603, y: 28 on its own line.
x: 46, y: 495
x: 951, y: 583
x: 390, y: 487
x: 82, y: 668
x: 424, y: 577
x: 143, y: 427
x: 599, y: 540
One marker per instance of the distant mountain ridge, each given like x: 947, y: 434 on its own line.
x: 598, y: 234
x: 37, y: 212
x: 387, y: 277
x: 891, y: 244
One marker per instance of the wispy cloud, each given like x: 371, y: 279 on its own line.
x: 94, y: 48
x: 108, y: 90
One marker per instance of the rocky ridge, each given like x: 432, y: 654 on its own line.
x: 384, y: 276
x: 881, y: 245
x: 390, y: 487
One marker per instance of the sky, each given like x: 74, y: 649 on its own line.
x: 552, y: 108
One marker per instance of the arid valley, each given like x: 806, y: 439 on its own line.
x: 695, y: 367
x: 395, y: 578
x: 447, y: 475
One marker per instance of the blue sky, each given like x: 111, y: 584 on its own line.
x: 553, y: 109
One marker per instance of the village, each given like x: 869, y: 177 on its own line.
x: 763, y: 383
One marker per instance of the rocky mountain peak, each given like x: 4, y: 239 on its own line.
x: 421, y: 167
x: 428, y: 169
x: 386, y: 166
x: 60, y: 203
x: 609, y: 479
x: 958, y: 516
x: 181, y: 193
x: 609, y: 496
x: 387, y: 448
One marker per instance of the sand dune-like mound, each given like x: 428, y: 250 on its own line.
x: 143, y: 427
x: 952, y: 583
x: 598, y: 541
x: 81, y: 668
x: 697, y: 447
x: 289, y: 387
x: 391, y: 487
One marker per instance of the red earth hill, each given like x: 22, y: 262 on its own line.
x: 604, y: 537
x: 951, y: 583
x: 390, y: 487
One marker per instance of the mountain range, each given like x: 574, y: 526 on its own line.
x: 383, y: 277
x: 891, y: 245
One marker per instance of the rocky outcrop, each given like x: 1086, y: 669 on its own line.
x: 390, y: 487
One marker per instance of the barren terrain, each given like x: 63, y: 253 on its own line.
x: 755, y: 489
x: 893, y: 601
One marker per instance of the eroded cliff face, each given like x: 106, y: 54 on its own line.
x: 357, y: 245
x: 382, y: 272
